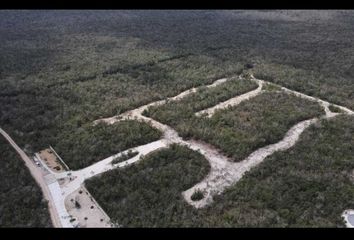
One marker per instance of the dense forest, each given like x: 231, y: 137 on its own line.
x: 21, y: 200
x: 309, y: 185
x: 89, y: 144
x: 241, y: 129
x: 61, y: 70
x: 148, y: 194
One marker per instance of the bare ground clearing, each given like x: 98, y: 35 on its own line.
x: 49, y: 158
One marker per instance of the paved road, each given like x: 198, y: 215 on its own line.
x: 351, y: 219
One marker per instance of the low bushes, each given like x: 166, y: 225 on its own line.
x: 148, y: 194
x: 240, y: 130
x: 89, y: 144
x: 21, y: 200
x: 125, y: 156
x: 197, y: 195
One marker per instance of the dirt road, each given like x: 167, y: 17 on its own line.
x: 38, y: 176
x: 223, y: 172
x: 232, y: 101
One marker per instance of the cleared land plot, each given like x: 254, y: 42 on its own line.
x: 84, y: 210
x: 240, y: 130
x: 49, y: 158
x: 90, y: 144
x: 149, y: 194
x: 21, y: 200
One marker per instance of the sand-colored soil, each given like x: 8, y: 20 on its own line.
x: 48, y: 157
x: 85, y: 211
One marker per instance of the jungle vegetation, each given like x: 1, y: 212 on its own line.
x: 309, y: 185
x: 148, y: 194
x: 61, y: 70
x: 21, y: 200
x: 241, y: 129
x: 89, y: 144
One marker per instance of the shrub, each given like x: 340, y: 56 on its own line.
x: 125, y: 156
x: 271, y: 87
x: 77, y: 204
x: 334, y: 109
x: 197, y: 195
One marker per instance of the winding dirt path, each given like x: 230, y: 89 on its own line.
x: 138, y: 111
x: 225, y: 173
x: 105, y: 165
x: 323, y: 103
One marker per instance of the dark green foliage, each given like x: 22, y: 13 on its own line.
x: 77, y: 204
x: 21, y: 199
x: 239, y: 130
x: 60, y: 70
x: 89, y: 144
x: 270, y: 87
x: 173, y: 112
x: 148, y: 194
x: 197, y: 195
x: 125, y: 156
x: 334, y: 109
x: 331, y: 87
x: 308, y: 185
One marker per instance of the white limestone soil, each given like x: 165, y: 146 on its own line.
x: 232, y: 101
x: 348, y: 216
x: 227, y: 173
x: 138, y: 111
